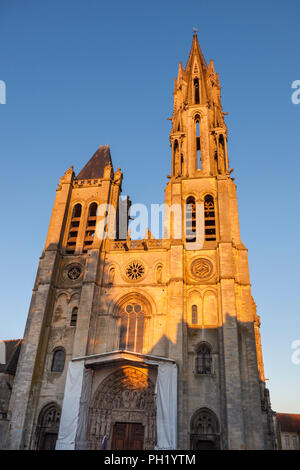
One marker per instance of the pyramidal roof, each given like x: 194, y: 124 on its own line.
x: 95, y: 166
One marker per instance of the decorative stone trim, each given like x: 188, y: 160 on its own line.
x: 87, y: 183
x: 73, y: 272
x: 135, y: 270
x: 201, y: 268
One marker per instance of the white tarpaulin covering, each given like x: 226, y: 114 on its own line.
x: 83, y: 415
x: 73, y: 423
x: 70, y: 410
x: 166, y: 401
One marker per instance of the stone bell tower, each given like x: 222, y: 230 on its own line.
x: 219, y: 316
x: 60, y: 312
x: 150, y: 343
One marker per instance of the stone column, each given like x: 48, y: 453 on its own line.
x: 175, y: 323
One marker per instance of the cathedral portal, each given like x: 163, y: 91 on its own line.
x: 123, y: 411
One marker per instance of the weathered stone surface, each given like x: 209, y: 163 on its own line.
x: 184, y: 295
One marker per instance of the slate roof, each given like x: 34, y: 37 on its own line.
x: 12, y: 351
x: 95, y: 166
x: 289, y: 422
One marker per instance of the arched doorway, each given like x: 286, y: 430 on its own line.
x: 47, y: 427
x: 205, y: 430
x: 123, y: 411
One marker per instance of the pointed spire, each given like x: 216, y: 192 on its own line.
x: 211, y: 68
x: 180, y: 71
x: 195, y: 52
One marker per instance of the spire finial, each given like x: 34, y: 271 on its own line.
x: 195, y: 30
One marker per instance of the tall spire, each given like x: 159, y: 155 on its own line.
x: 199, y: 135
x: 195, y: 52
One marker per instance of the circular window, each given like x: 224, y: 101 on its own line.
x: 74, y: 272
x: 201, y: 268
x: 133, y: 308
x: 135, y: 270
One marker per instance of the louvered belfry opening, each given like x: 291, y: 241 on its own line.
x: 196, y: 88
x: 90, y: 227
x: 74, y: 229
x: 190, y: 220
x: 209, y: 218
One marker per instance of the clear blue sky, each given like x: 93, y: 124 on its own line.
x: 83, y: 74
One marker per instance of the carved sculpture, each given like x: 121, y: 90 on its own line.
x: 126, y: 395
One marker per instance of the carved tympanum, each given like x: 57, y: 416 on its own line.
x: 127, y: 395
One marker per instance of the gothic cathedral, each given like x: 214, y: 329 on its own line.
x: 153, y: 343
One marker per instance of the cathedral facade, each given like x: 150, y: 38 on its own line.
x: 153, y: 343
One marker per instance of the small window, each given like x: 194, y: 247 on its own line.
x: 295, y: 442
x: 74, y: 316
x: 58, y: 361
x: 204, y: 359
x: 194, y: 314
x: 287, y: 441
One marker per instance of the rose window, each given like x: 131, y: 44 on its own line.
x: 74, y: 273
x: 135, y: 271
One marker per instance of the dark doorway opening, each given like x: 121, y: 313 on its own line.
x: 49, y: 441
x: 205, y: 445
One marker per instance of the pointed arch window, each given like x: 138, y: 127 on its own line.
x: 190, y: 220
x: 58, y: 360
x: 74, y: 315
x: 132, y: 328
x: 74, y: 229
x: 196, y: 91
x: 90, y: 227
x: 209, y: 218
x: 198, y: 140
x: 204, y: 359
x: 205, y: 430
